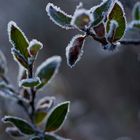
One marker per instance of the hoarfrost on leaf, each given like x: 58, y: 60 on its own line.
x: 58, y: 16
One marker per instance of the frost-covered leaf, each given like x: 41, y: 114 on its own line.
x: 21, y: 124
x: 30, y: 82
x: 3, y: 64
x: 18, y: 39
x: 117, y: 13
x: 34, y: 47
x: 81, y: 19
x: 58, y: 16
x: 57, y: 116
x: 48, y: 69
x: 112, y: 31
x: 19, y: 58
x: 14, y: 132
x: 136, y: 11
x: 99, y: 30
x: 74, y: 50
x: 100, y: 12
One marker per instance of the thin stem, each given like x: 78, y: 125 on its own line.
x: 33, y: 94
x: 130, y: 42
x: 104, y: 42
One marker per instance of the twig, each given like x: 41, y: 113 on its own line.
x: 33, y: 94
x: 130, y: 42
x: 104, y: 42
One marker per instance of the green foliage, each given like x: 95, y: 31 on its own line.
x: 47, y: 70
x: 96, y: 22
x: 21, y: 124
x: 101, y: 11
x: 25, y: 54
x: 18, y: 39
x: 117, y: 14
x: 57, y: 117
x: 58, y: 16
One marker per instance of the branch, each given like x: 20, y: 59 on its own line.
x: 103, y: 40
x: 130, y: 42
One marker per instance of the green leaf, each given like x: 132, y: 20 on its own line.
x: 18, y: 39
x: 34, y: 47
x: 117, y: 14
x: 19, y: 58
x: 100, y: 12
x: 57, y: 117
x: 58, y: 16
x: 30, y: 82
x: 40, y: 116
x: 74, y: 50
x: 136, y: 11
x: 47, y: 70
x: 14, y: 132
x: 21, y: 124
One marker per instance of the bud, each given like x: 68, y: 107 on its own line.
x: 34, y: 47
x: 82, y: 19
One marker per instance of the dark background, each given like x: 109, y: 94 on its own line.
x: 104, y: 87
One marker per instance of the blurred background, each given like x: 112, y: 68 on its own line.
x: 104, y: 87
